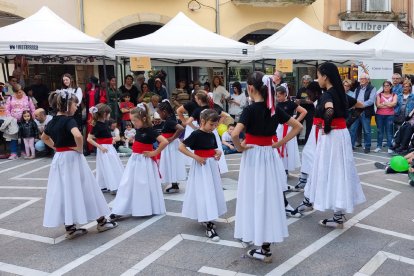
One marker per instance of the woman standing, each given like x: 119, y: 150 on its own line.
x: 128, y: 87
x: 260, y: 215
x: 68, y: 84
x: 386, y: 101
x: 334, y: 183
x: 19, y: 102
x: 237, y: 101
x: 220, y: 94
x: 113, y: 98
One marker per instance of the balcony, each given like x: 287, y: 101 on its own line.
x: 374, y: 10
x: 273, y: 3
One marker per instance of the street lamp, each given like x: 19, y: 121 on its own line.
x: 195, y: 5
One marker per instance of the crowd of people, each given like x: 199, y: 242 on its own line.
x: 164, y: 134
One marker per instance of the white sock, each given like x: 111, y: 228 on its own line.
x: 303, y: 175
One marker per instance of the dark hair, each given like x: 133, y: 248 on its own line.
x: 314, y: 91
x: 330, y: 70
x: 124, y: 95
x: 129, y: 76
x: 142, y: 115
x: 128, y: 124
x: 68, y: 76
x: 142, y: 85
x: 103, y: 110
x: 281, y: 89
x: 94, y: 80
x: 238, y: 86
x: 256, y: 79
x: 177, y: 85
x: 111, y: 77
x: 25, y: 112
x: 166, y: 106
x: 220, y: 81
x: 60, y: 101
x: 111, y: 121
x: 387, y: 81
x: 204, y: 98
x: 209, y: 115
x: 231, y: 125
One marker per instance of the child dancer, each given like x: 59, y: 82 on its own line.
x: 28, y: 131
x: 334, y: 182
x: 73, y: 196
x: 203, y: 100
x: 172, y: 166
x: 204, y: 197
x: 289, y: 152
x: 260, y: 216
x: 109, y: 168
x: 139, y: 192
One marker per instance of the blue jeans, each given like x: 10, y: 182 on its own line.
x: 227, y: 150
x: 366, y: 127
x: 385, y: 126
x: 13, y: 146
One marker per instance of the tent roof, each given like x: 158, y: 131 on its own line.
x: 391, y: 44
x: 182, y: 38
x: 45, y: 33
x: 298, y: 40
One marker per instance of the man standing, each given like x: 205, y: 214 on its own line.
x: 366, y: 94
x: 303, y: 100
x: 278, y: 81
x: 40, y: 92
x: 41, y: 120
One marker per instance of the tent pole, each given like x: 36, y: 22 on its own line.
x: 254, y: 65
x: 7, y: 68
x: 4, y: 73
x: 105, y: 80
x: 116, y: 88
x: 124, y: 67
x: 227, y: 75
x: 263, y: 65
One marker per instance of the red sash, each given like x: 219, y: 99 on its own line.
x: 318, y: 122
x: 138, y: 147
x: 284, y: 149
x: 104, y: 141
x: 205, y: 153
x: 337, y: 123
x: 63, y: 149
x: 167, y: 135
x: 258, y: 140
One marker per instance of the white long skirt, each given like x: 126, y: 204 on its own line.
x: 188, y: 131
x: 334, y: 182
x: 204, y: 197
x: 172, y: 164
x: 73, y: 196
x: 109, y: 168
x: 139, y: 192
x: 291, y: 157
x: 222, y: 162
x: 260, y: 210
x: 308, y: 152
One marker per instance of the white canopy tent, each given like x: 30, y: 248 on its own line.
x: 298, y: 40
x: 45, y: 33
x: 184, y: 41
x: 391, y: 44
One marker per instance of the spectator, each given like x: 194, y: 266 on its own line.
x: 40, y: 92
x: 302, y: 99
x: 126, y: 106
x: 146, y: 94
x: 160, y: 89
x: 128, y: 87
x: 206, y: 86
x: 113, y: 98
x: 237, y: 101
x: 116, y: 137
x: 405, y: 104
x: 347, y: 86
x: 366, y: 94
x: 220, y: 94
x: 228, y: 146
x: 18, y: 103
x: 385, y: 102
x: 278, y: 80
x: 179, y: 96
x: 28, y: 132
x: 139, y: 80
x: 8, y: 87
x: 152, y: 106
x: 196, y: 86
x: 129, y: 134
x: 396, y: 84
x: 10, y: 130
x: 41, y: 120
x: 68, y: 83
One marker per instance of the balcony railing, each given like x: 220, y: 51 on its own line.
x: 273, y: 3
x: 396, y: 6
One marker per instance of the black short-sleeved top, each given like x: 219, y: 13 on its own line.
x: 59, y: 129
x: 190, y: 107
x: 303, y: 95
x: 101, y: 130
x: 257, y: 119
x: 288, y: 106
x: 340, y: 109
x: 170, y: 124
x: 200, y: 140
x: 198, y: 110
x: 146, y: 135
x: 158, y: 128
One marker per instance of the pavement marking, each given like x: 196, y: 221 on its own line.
x: 377, y: 156
x: 26, y: 236
x: 376, y: 261
x: 21, y: 165
x: 362, y: 164
x: 220, y: 272
x: 29, y: 172
x: 385, y: 231
x: 397, y: 181
x: 30, y: 201
x: 31, y: 179
x: 7, y: 161
x: 318, y: 244
x: 23, y: 187
x: 108, y: 245
x: 363, y: 159
x: 20, y: 270
x: 369, y: 172
x: 169, y: 245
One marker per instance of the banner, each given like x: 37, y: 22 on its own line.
x: 408, y: 68
x: 140, y: 63
x: 284, y: 65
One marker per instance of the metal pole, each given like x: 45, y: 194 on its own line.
x: 106, y: 81
x: 227, y: 75
x: 7, y: 68
x: 218, y: 16
x: 82, y: 17
x: 263, y: 65
x: 4, y: 73
x: 116, y: 88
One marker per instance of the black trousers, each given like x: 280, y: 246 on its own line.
x: 308, y: 120
x: 403, y: 136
